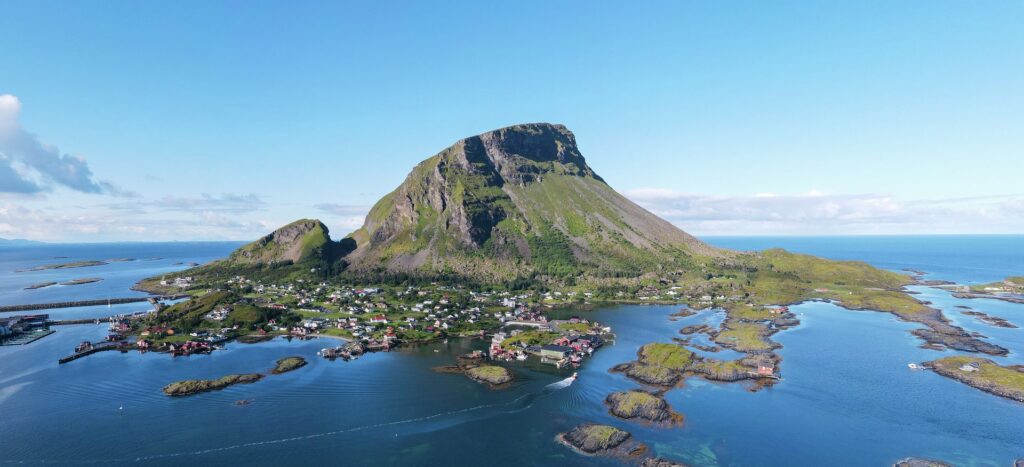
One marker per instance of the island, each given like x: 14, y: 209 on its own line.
x: 40, y: 285
x: 493, y: 375
x: 471, y: 365
x: 189, y: 387
x: 918, y: 462
x: 642, y: 405
x: 989, y: 319
x: 86, y: 280
x: 983, y: 374
x: 1010, y: 290
x: 287, y: 364
x: 605, y: 440
x: 664, y: 365
x: 75, y: 264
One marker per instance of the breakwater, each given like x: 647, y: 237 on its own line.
x: 78, y: 303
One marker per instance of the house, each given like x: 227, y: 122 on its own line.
x: 765, y: 370
x: 7, y: 325
x: 555, y: 352
x: 379, y: 319
x: 971, y: 367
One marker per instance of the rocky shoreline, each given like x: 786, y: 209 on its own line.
x: 983, y: 374
x: 990, y: 320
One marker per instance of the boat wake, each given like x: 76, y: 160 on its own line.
x: 563, y: 383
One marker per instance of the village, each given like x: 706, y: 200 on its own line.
x: 363, y: 319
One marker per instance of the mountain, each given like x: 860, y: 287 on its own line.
x: 300, y: 249
x: 18, y: 242
x: 512, y: 203
x: 302, y: 241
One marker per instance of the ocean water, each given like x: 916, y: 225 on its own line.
x: 847, y: 397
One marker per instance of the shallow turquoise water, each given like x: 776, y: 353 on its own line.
x: 847, y: 398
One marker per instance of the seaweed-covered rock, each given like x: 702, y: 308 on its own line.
x: 595, y: 439
x: 642, y: 405
x: 189, y: 387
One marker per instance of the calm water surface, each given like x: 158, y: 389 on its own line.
x: 847, y: 397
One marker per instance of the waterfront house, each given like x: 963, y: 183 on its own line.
x: 554, y: 352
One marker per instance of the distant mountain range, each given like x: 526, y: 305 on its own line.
x: 18, y: 242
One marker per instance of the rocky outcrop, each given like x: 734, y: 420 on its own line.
x: 494, y: 376
x: 659, y: 462
x: 491, y: 374
x: 642, y: 405
x: 189, y: 387
x: 595, y: 439
x: 287, y: 364
x: 917, y: 462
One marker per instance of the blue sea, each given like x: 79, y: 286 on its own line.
x: 847, y: 397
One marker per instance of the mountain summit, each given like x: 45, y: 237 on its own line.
x: 511, y: 203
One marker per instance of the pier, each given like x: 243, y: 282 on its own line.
x: 80, y: 303
x: 123, y: 346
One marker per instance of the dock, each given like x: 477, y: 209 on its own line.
x: 96, y: 348
x: 80, y: 303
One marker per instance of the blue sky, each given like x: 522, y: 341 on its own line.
x: 222, y: 120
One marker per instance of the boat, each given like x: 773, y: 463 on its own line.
x: 913, y: 366
x: 575, y: 375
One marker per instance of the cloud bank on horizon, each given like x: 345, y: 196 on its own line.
x: 30, y: 169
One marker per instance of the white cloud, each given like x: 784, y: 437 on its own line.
x: 28, y: 165
x: 817, y: 213
x: 99, y: 223
x: 224, y: 202
x: 347, y: 217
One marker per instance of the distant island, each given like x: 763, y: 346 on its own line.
x: 71, y: 265
x: 4, y: 242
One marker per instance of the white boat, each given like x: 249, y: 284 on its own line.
x: 913, y: 366
x: 574, y: 375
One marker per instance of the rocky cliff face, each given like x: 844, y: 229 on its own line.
x: 514, y: 202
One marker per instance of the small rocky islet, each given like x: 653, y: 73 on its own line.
x: 919, y: 462
x: 494, y: 376
x: 196, y: 386
x: 642, y: 405
x: 591, y: 438
x: 287, y: 364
